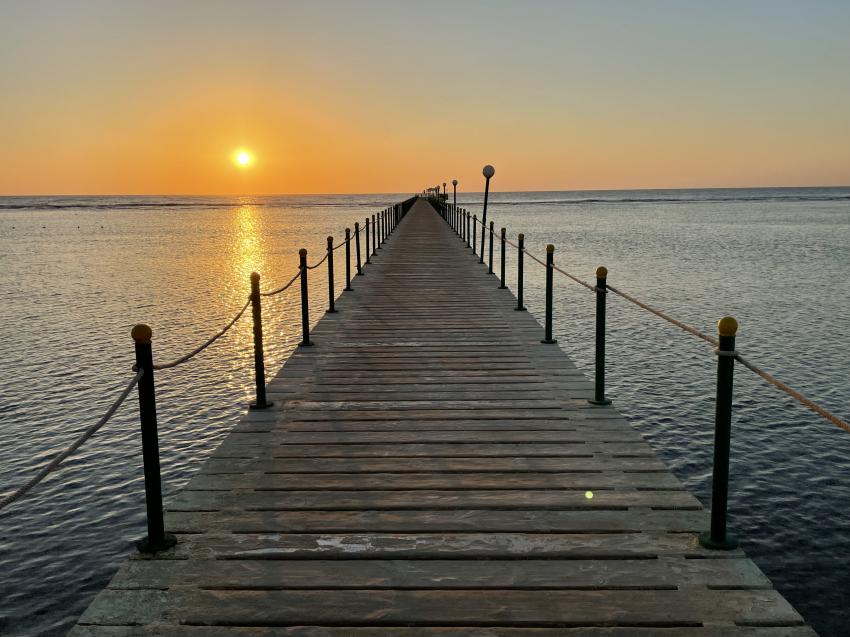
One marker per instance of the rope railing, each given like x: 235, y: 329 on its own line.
x: 21, y: 491
x: 284, y: 287
x: 206, y: 343
x: 318, y: 263
x: 382, y: 225
x: 683, y: 326
x: 460, y: 219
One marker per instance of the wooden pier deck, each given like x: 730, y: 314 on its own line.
x: 431, y: 469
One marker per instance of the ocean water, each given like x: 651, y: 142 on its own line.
x: 77, y: 273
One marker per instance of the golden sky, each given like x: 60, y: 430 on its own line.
x: 339, y: 97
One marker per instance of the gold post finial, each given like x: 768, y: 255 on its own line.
x: 601, y: 272
x: 521, y: 236
x: 727, y: 326
x: 141, y: 333
x: 550, y: 248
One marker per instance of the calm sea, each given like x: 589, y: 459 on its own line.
x: 77, y: 272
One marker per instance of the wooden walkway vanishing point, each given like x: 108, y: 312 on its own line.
x: 430, y: 469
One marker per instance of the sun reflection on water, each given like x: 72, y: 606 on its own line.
x: 248, y: 253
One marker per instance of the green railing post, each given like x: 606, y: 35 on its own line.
x: 305, y: 300
x: 502, y: 286
x: 157, y: 539
x: 716, y: 538
x: 550, y: 261
x: 331, y: 308
x: 490, y: 268
x: 519, y: 263
x: 259, y: 359
x: 601, y: 294
x: 357, y: 242
x: 348, y: 287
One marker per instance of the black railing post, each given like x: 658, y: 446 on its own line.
x: 490, y: 268
x: 368, y: 248
x: 374, y: 237
x: 550, y: 261
x: 468, y: 221
x: 305, y: 300
x: 717, y: 538
x: 157, y: 539
x: 357, y: 242
x: 519, y: 263
x: 488, y: 172
x: 601, y: 294
x: 502, y: 286
x: 474, y: 232
x: 331, y: 308
x: 259, y: 359
x: 348, y: 287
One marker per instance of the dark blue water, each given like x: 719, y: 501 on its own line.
x: 77, y: 273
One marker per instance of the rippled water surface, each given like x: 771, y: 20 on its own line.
x: 77, y: 273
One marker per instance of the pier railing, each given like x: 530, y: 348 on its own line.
x: 376, y: 230
x: 466, y: 225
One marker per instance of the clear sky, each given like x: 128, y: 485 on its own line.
x: 358, y: 96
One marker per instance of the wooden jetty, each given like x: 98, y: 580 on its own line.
x: 430, y: 468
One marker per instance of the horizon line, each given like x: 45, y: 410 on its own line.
x: 319, y: 194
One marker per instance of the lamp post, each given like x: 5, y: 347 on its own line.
x: 488, y: 172
x: 454, y: 188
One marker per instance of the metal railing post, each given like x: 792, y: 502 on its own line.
x: 348, y: 287
x: 468, y: 221
x: 601, y: 294
x: 259, y: 359
x: 305, y: 300
x: 502, y: 286
x: 374, y: 237
x: 550, y: 261
x: 357, y: 242
x: 717, y: 538
x: 488, y: 173
x: 331, y: 308
x: 474, y: 232
x: 519, y: 263
x: 157, y: 539
x: 368, y: 248
x: 490, y: 268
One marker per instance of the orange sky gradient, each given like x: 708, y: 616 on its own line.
x: 122, y: 99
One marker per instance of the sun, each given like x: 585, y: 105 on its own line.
x: 242, y: 158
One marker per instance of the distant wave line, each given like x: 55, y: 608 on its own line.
x: 176, y: 204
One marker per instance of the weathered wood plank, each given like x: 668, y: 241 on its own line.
x: 435, y: 520
x: 247, y: 500
x: 458, y: 574
x: 496, y: 464
x: 441, y: 608
x: 433, y: 481
x: 405, y: 631
x: 232, y: 448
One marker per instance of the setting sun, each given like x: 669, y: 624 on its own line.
x: 242, y: 158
